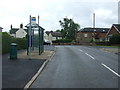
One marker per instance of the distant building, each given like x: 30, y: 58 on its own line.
x: 51, y: 36
x: 89, y: 34
x: 119, y: 12
x: 115, y: 29
x: 1, y: 29
x: 18, y: 32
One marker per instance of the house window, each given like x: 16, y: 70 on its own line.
x: 85, y: 35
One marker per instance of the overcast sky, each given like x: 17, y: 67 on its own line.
x: 16, y: 12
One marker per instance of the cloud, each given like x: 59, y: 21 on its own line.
x: 51, y: 11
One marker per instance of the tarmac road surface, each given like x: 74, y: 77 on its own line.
x: 79, y: 67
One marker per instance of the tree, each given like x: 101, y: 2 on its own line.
x: 58, y: 30
x: 69, y: 28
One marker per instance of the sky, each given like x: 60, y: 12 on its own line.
x: 16, y: 12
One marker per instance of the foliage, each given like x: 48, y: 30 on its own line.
x: 115, y: 39
x: 69, y: 28
x: 62, y: 41
x: 58, y: 30
x: 21, y: 42
x: 7, y: 40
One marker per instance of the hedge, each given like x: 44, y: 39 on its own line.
x: 115, y: 39
x: 7, y: 40
x: 62, y: 41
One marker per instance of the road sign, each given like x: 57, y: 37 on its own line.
x: 33, y: 20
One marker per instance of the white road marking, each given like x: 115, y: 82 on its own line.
x: 90, y: 55
x: 110, y: 70
x: 80, y: 50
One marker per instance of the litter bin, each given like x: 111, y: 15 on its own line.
x: 13, y: 51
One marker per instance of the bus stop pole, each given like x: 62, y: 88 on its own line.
x: 30, y: 39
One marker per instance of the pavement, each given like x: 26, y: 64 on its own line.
x: 17, y: 73
x: 80, y: 67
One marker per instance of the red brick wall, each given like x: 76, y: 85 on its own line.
x: 113, y: 31
x: 80, y: 35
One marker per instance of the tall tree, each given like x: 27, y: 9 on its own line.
x: 69, y: 28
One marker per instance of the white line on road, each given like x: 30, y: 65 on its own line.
x: 110, y: 70
x: 90, y: 55
x: 80, y: 50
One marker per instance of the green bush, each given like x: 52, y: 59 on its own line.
x: 7, y: 40
x: 62, y: 41
x: 115, y: 39
x: 21, y: 42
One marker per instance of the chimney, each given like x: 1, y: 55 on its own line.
x: 21, y: 25
x: 93, y: 20
x: 11, y: 26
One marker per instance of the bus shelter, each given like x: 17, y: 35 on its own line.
x: 35, y: 37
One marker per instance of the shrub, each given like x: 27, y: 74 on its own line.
x: 21, y: 42
x: 115, y: 39
x: 7, y: 40
x: 62, y: 41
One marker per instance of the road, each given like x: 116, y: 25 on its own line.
x: 79, y: 67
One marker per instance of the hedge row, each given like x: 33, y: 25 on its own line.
x: 62, y: 41
x: 7, y: 40
x: 115, y: 39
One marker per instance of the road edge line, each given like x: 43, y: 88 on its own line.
x: 35, y: 76
x: 39, y: 71
x: 52, y: 55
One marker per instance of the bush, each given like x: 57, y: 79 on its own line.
x: 62, y: 41
x: 115, y: 39
x: 7, y: 40
x: 21, y: 42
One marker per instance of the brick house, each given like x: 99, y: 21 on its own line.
x: 115, y: 29
x: 89, y: 34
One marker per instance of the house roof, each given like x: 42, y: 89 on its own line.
x: 54, y: 34
x: 102, y: 30
x: 14, y: 30
x: 117, y: 26
x: 48, y: 32
x: 1, y: 28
